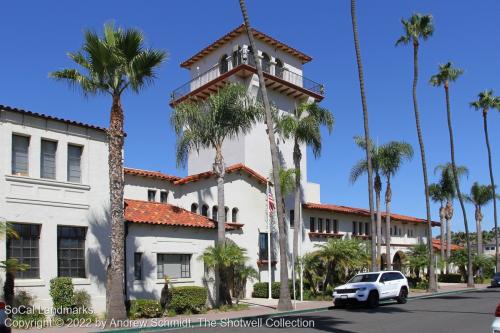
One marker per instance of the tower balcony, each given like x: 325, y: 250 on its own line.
x: 276, y: 78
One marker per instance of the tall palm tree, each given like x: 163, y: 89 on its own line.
x: 392, y: 156
x: 284, y: 302
x: 360, y: 168
x: 480, y: 195
x: 437, y: 195
x: 366, y: 126
x: 419, y: 27
x: 110, y: 65
x: 207, y: 124
x: 448, y: 186
x: 486, y: 101
x: 447, y: 74
x: 303, y: 127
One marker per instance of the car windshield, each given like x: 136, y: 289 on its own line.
x: 497, y: 275
x: 372, y: 277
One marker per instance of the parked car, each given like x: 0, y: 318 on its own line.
x: 495, y: 327
x: 370, y: 288
x: 495, y: 280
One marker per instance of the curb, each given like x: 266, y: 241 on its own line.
x: 271, y: 315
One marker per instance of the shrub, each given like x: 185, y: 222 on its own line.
x: 145, y: 308
x: 61, y: 291
x: 260, y: 290
x: 450, y: 278
x: 188, y: 299
x: 422, y: 285
x: 81, y: 299
x: 23, y: 298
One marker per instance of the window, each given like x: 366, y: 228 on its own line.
x: 223, y: 64
x: 354, y: 228
x: 279, y: 68
x: 25, y: 249
x: 335, y: 226
x: 360, y: 226
x: 226, y: 211
x: 215, y: 213
x: 74, y: 163
x: 137, y: 266
x: 320, y: 225
x: 367, y: 228
x: 204, y: 210
x: 173, y: 265
x: 236, y: 59
x: 328, y: 226
x: 312, y: 224
x: 400, y: 232
x: 266, y: 63
x: 20, y: 146
x: 151, y: 195
x: 263, y: 249
x: 163, y: 196
x: 48, y: 159
x: 234, y: 215
x: 71, y: 251
x: 292, y: 218
x: 194, y: 208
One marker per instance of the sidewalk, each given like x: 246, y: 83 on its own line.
x: 258, y: 307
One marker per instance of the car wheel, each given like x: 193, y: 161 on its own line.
x: 372, y: 301
x: 403, y: 296
x: 339, y: 304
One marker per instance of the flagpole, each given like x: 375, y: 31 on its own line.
x: 269, y: 289
x: 300, y: 254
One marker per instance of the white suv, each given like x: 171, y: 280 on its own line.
x: 372, y: 287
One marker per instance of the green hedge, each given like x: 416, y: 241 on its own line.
x: 260, y: 290
x: 188, y: 299
x: 145, y: 308
x: 62, y: 291
x: 450, y: 278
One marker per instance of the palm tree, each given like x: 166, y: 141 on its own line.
x: 480, y: 195
x: 447, y: 183
x: 207, y: 124
x: 369, y: 167
x: 284, y: 302
x: 415, y: 28
x: 303, y: 126
x: 360, y: 168
x: 447, y: 73
x: 11, y: 267
x: 392, y: 156
x: 112, y: 64
x: 222, y: 258
x: 485, y: 102
x: 437, y: 195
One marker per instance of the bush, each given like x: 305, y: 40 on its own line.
x: 62, y: 292
x: 81, y: 299
x: 188, y: 299
x: 413, y: 281
x: 25, y: 299
x: 260, y: 290
x: 450, y: 278
x: 145, y: 308
x: 422, y: 285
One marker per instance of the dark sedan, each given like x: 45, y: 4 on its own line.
x: 495, y: 281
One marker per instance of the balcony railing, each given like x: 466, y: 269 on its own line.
x: 245, y: 59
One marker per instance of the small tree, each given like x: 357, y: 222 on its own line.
x: 11, y: 267
x: 417, y: 259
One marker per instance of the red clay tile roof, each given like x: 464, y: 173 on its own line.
x: 363, y: 212
x: 138, y: 211
x: 229, y: 169
x: 436, y: 243
x: 150, y: 174
x: 257, y: 34
x: 41, y: 115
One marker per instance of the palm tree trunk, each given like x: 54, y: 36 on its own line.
x: 378, y: 190
x: 479, y: 230
x: 448, y: 244
x: 492, y: 181
x: 432, y: 279
x: 367, y: 133
x: 470, y: 280
x: 388, y: 199
x: 297, y: 156
x: 221, y: 290
x: 442, y: 222
x: 284, y: 302
x: 116, y: 302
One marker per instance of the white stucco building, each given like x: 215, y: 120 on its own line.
x: 54, y: 189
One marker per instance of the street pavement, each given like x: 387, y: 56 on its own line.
x: 464, y: 312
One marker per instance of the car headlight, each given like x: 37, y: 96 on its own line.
x: 362, y: 289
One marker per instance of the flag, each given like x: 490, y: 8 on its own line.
x: 270, y: 200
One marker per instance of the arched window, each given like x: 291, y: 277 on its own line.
x: 194, y: 208
x: 223, y: 64
x: 266, y: 62
x: 204, y: 210
x: 278, y: 70
x: 237, y: 57
x: 234, y: 215
x: 226, y: 210
x: 215, y: 212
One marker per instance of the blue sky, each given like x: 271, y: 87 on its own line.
x: 36, y: 36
